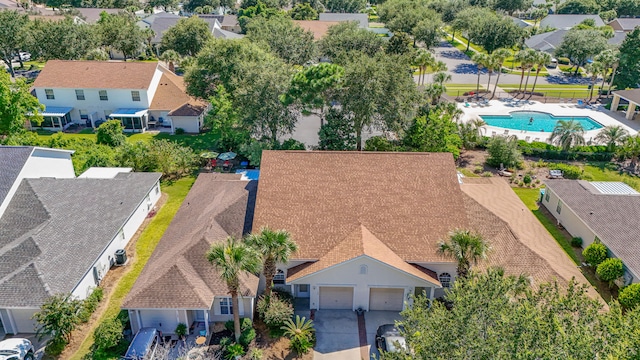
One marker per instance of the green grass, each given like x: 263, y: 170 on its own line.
x: 198, y: 142
x: 554, y: 90
x: 530, y: 197
x: 460, y: 46
x: 602, y: 171
x: 145, y: 245
x: 468, y: 173
x: 460, y: 89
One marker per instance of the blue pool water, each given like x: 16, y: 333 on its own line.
x: 249, y: 174
x: 521, y: 120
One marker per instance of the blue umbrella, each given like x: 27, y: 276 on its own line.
x: 227, y: 156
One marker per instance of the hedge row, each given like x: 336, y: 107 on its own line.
x: 550, y: 152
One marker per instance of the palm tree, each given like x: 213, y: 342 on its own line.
x: 612, y: 136
x: 609, y: 59
x: 542, y: 59
x: 300, y: 332
x: 275, y: 246
x: 422, y: 60
x: 465, y: 247
x: 481, y: 60
x: 471, y: 132
x: 170, y: 57
x: 531, y: 59
x: 434, y: 91
x: 492, y: 65
x: 232, y: 258
x: 567, y: 134
x: 630, y: 149
x: 500, y: 55
x: 595, y: 69
x: 525, y: 58
x: 441, y: 77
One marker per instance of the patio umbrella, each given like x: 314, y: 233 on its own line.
x: 227, y: 156
x: 209, y: 155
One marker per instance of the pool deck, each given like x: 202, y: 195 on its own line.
x: 497, y: 107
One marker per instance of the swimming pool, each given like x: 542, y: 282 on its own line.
x: 522, y: 120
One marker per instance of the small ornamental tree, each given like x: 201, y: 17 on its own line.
x: 108, y: 334
x: 110, y: 133
x: 629, y: 296
x: 595, y: 253
x: 274, y: 311
x: 58, y: 317
x: 610, y: 270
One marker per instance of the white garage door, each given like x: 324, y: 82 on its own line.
x: 386, y: 299
x: 337, y: 298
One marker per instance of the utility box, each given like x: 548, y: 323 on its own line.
x: 121, y: 257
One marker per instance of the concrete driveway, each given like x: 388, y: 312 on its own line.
x: 336, y: 335
x: 373, y: 319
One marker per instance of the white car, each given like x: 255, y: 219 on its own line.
x: 16, y: 349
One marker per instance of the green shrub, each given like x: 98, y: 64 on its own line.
x: 225, y: 342
x: 90, y: 304
x: 108, y: 334
x: 301, y: 333
x: 487, y: 174
x: 179, y: 131
x: 576, y: 241
x: 245, y: 323
x: 503, y: 150
x: 110, y: 133
x: 568, y: 171
x: 181, y: 330
x: 478, y: 169
x: 55, y: 346
x: 379, y: 143
x: 234, y: 351
x: 301, y: 345
x: 610, y: 270
x: 527, y: 179
x: 283, y: 295
x: 595, y: 254
x: 247, y: 337
x: 629, y: 296
x: 274, y: 311
x: 256, y: 354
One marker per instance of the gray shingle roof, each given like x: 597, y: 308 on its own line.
x: 54, y: 229
x: 12, y: 160
x: 627, y: 24
x: 614, y: 218
x: 566, y: 21
x: 548, y: 41
x: 218, y: 205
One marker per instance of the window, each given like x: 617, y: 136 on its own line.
x: 226, y: 307
x: 559, y: 208
x: 303, y: 288
x: 80, y: 94
x: 546, y: 195
x: 83, y: 114
x: 363, y: 269
x: 279, y: 277
x: 49, y: 94
x: 135, y: 95
x: 445, y: 280
x: 103, y: 95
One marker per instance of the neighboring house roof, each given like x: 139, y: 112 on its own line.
x: 519, y: 22
x: 171, y: 95
x: 225, y: 34
x: 151, y: 18
x: 160, y: 25
x: 632, y: 95
x: 613, y: 218
x: 92, y: 15
x: 618, y: 38
x: 568, y: 21
x: 549, y: 41
x: 96, y: 74
x: 178, y: 274
x: 358, y: 243
x: 12, y: 160
x: 362, y: 19
x: 318, y: 28
x: 55, y: 229
x: 625, y: 24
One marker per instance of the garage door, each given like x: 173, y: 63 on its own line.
x: 386, y: 299
x: 338, y: 298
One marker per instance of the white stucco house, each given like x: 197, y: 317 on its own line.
x: 141, y: 95
x: 178, y: 284
x: 367, y: 225
x: 607, y: 211
x: 60, y: 234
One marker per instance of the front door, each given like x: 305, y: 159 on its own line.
x: 303, y: 290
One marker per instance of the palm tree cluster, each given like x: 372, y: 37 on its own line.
x: 424, y: 60
x: 530, y: 58
x: 493, y: 63
x: 234, y: 258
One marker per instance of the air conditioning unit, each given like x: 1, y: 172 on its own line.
x: 121, y: 257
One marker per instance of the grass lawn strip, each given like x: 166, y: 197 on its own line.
x: 147, y: 242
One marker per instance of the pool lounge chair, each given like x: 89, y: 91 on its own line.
x: 466, y: 104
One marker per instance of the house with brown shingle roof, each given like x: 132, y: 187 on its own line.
x: 141, y: 95
x: 178, y: 284
x: 368, y: 223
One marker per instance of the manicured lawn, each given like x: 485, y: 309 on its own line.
x: 554, y: 90
x: 147, y: 242
x: 198, y: 142
x: 601, y: 171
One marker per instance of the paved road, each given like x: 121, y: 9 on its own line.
x: 465, y: 71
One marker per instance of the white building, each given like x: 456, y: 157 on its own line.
x: 607, y: 211
x: 58, y: 233
x: 141, y: 95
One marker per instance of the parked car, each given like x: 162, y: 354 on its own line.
x: 16, y: 349
x: 24, y: 56
x: 144, y: 345
x: 388, y: 339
